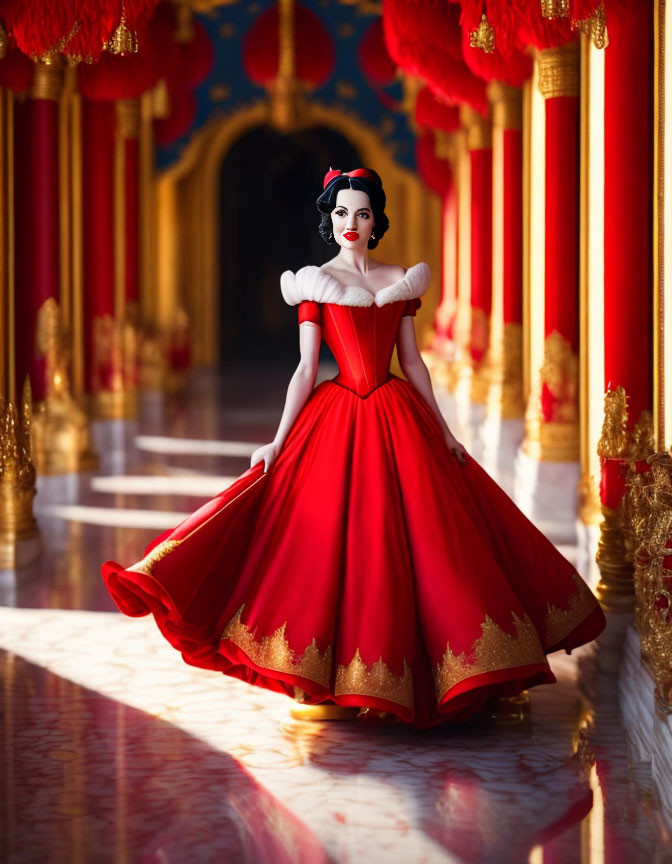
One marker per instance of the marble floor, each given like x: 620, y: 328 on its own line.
x: 113, y: 749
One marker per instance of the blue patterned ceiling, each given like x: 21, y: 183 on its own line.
x: 227, y: 89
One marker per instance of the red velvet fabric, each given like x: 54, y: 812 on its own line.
x: 366, y: 542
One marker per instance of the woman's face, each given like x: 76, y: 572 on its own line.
x: 352, y: 219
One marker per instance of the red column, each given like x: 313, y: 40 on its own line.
x: 627, y: 433
x: 128, y: 126
x: 505, y: 352
x: 37, y: 223
x: 628, y: 122
x: 444, y: 317
x: 481, y: 244
x: 103, y: 361
x: 558, y: 412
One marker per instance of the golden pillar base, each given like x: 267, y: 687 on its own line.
x: 615, y: 590
x: 62, y: 438
x: 19, y: 537
x: 20, y: 542
x: 115, y: 404
x: 551, y: 441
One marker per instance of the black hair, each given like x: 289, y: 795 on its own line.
x: 373, y: 188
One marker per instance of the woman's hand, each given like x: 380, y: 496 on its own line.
x: 268, y: 453
x: 455, y: 447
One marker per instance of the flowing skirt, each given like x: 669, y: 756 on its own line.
x: 367, y: 567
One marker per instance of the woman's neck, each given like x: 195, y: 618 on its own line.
x: 354, y: 260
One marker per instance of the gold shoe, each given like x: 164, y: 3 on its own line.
x: 322, y: 712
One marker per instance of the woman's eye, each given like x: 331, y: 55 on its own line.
x: 339, y: 212
x: 363, y: 215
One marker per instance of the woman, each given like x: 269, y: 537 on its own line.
x: 364, y: 560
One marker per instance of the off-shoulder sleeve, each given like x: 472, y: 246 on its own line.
x: 412, y: 306
x: 310, y: 311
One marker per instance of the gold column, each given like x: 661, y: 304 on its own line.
x: 662, y: 226
x: 591, y: 278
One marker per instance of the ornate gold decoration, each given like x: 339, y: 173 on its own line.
x: 590, y: 505
x: 158, y: 553
x: 17, y: 485
x: 494, y: 649
x: 614, y: 439
x: 123, y: 40
x: 559, y: 71
x: 594, y: 26
x: 4, y: 42
x: 560, y: 373
x: 614, y: 552
x: 555, y: 8
x: 642, y: 442
x: 377, y: 680
x: 649, y: 525
x: 559, y: 623
x: 128, y: 117
x: 505, y: 374
x: 549, y: 441
x: 108, y: 370
x: 48, y: 80
x: 61, y: 433
x: 615, y: 589
x: 478, y: 128
x: 507, y: 105
x: 483, y: 36
x: 556, y: 439
x: 273, y: 652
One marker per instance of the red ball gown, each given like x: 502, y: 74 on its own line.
x: 367, y: 567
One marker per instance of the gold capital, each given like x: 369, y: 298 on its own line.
x: 559, y: 71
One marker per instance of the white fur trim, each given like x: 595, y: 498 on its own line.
x: 313, y: 283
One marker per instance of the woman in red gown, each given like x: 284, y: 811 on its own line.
x: 364, y: 559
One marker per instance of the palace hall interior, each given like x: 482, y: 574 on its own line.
x: 159, y: 169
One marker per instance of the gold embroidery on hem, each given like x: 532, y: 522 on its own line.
x: 378, y: 681
x: 493, y: 650
x: 158, y: 553
x: 273, y: 652
x: 560, y: 622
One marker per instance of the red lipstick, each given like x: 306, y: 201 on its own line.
x: 351, y: 235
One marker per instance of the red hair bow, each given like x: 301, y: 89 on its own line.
x: 358, y: 172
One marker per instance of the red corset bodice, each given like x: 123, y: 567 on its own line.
x: 359, y: 327
x: 361, y: 338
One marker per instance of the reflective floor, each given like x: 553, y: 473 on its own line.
x: 113, y: 749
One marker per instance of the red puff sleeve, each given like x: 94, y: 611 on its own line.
x: 310, y: 311
x: 412, y: 306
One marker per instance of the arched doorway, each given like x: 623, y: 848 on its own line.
x: 268, y: 184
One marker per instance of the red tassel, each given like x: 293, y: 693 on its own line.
x: 434, y: 114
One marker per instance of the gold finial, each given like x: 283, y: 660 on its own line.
x: 555, y: 8
x: 123, y: 40
x: 614, y: 439
x: 483, y: 37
